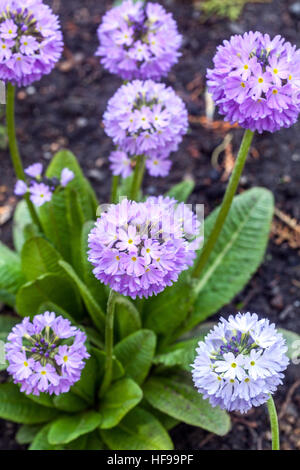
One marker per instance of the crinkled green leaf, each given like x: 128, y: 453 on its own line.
x: 139, y: 430
x: 15, y: 406
x: 11, y: 276
x: 48, y: 288
x: 237, y: 255
x: 68, y: 428
x: 39, y: 257
x: 183, y: 402
x: 119, y: 399
x: 136, y: 353
x: 93, y: 308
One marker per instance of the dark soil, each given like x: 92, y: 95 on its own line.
x: 65, y: 109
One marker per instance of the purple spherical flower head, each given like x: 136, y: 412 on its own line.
x: 146, y: 118
x: 138, y: 41
x: 256, y: 82
x: 240, y: 362
x: 30, y: 41
x: 138, y: 249
x: 46, y: 355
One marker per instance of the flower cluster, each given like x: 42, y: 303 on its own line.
x: 256, y: 81
x: 40, y: 188
x: 240, y: 362
x: 30, y: 40
x: 140, y: 248
x: 138, y: 41
x: 46, y: 355
x: 145, y: 118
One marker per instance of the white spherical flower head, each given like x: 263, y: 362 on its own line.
x: 240, y: 362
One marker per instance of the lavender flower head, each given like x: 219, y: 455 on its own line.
x: 30, y: 41
x: 40, y: 188
x: 46, y: 355
x: 240, y: 362
x: 256, y: 82
x: 138, y: 41
x: 146, y: 118
x: 138, y: 249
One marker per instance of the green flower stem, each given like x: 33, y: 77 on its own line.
x: 274, y: 424
x: 227, y: 201
x: 114, y: 189
x: 109, y: 342
x: 14, y: 150
x: 138, y: 177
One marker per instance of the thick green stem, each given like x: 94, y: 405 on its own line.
x: 114, y: 189
x: 138, y: 177
x: 226, y: 204
x: 274, y: 424
x: 109, y: 342
x: 14, y: 150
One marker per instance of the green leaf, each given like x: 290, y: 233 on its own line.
x: 237, y: 254
x: 16, y: 407
x: 100, y: 356
x: 11, y: 276
x: 182, y: 191
x: 97, y: 289
x: 22, y: 225
x: 184, y: 403
x: 48, y: 288
x: 56, y: 225
x: 86, y: 387
x: 139, y: 430
x: 69, y: 402
x: 40, y: 442
x: 69, y: 428
x: 42, y: 399
x: 39, y: 257
x: 127, y: 317
x: 136, y: 353
x: 94, y: 442
x: 93, y: 308
x: 65, y: 159
x: 27, y: 433
x: 183, y: 353
x: 6, y: 325
x: 76, y: 220
x: 165, y: 312
x: 119, y: 399
x: 292, y: 342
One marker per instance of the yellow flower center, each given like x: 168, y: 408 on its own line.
x: 275, y: 71
x: 3, y: 46
x: 246, y: 67
x: 43, y: 372
x: 148, y: 250
x: 134, y: 258
x: 290, y: 77
x: 252, y: 363
x: 260, y: 80
x: 232, y: 381
x: 10, y: 31
x: 247, y: 380
x: 233, y: 365
x: 118, y: 258
x: 243, y: 85
x: 65, y: 358
x: 155, y: 162
x: 130, y: 241
x: 275, y: 91
x: 26, y: 364
x: 219, y: 378
x: 158, y: 260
